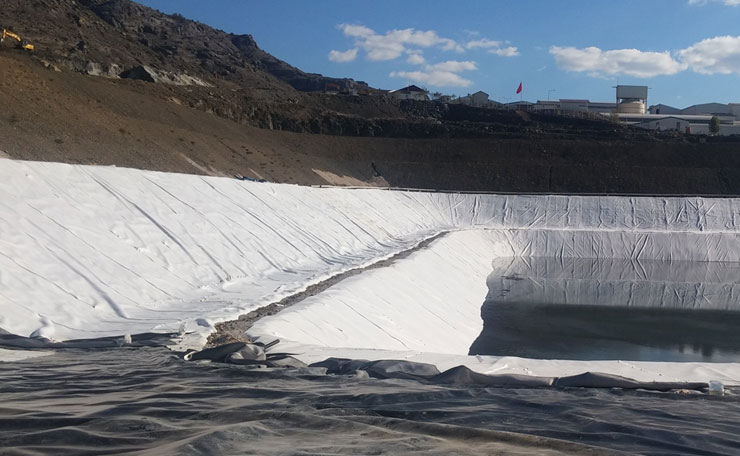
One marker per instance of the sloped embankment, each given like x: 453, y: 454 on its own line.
x: 92, y: 251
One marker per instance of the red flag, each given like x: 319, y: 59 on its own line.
x: 519, y: 90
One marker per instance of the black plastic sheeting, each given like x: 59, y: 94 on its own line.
x: 150, y: 401
x: 382, y: 369
x: 9, y: 340
x: 462, y: 375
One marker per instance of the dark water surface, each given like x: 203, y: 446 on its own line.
x: 148, y: 401
x: 591, y: 309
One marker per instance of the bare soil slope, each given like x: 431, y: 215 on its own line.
x: 68, y: 117
x: 73, y: 118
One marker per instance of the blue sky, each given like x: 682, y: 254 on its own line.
x: 686, y: 51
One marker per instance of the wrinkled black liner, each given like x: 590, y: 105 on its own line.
x: 461, y: 375
x: 8, y: 340
x: 151, y: 401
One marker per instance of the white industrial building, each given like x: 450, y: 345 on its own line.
x: 630, y: 108
x: 663, y: 109
x: 687, y: 123
x: 574, y: 105
x: 666, y: 123
x: 630, y: 100
x: 724, y: 129
x: 698, y: 116
x: 707, y: 109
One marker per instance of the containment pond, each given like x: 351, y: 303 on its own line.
x: 620, y: 309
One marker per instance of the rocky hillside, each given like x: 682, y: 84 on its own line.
x: 116, y: 83
x: 230, y: 75
x: 110, y: 36
x: 207, y: 69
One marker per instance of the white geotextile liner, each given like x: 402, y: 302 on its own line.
x: 90, y: 251
x: 93, y: 251
x: 616, y: 282
x: 432, y: 300
x: 427, y: 307
x: 635, y: 244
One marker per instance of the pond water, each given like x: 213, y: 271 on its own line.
x: 589, y: 309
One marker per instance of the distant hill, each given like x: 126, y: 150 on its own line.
x: 230, y: 76
x: 115, y: 83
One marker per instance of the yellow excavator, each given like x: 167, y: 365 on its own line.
x: 22, y: 44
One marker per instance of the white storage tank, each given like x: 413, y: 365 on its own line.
x: 631, y: 99
x: 631, y: 107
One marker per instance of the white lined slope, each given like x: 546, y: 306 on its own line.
x: 91, y: 251
x: 427, y: 308
x: 99, y: 251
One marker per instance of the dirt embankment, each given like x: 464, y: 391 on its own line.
x: 75, y: 118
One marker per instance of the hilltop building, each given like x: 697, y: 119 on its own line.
x: 574, y: 105
x: 520, y: 105
x: 411, y: 92
x: 629, y: 108
x: 665, y: 123
x: 662, y: 117
x: 693, y: 124
x: 478, y: 99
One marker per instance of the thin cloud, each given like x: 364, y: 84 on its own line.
x: 412, y: 43
x: 443, y: 74
x: 356, y: 30
x: 493, y: 47
x: 346, y: 56
x: 453, y: 66
x: 394, y: 43
x: 704, y: 2
x: 631, y: 62
x: 415, y: 58
x: 718, y: 55
x: 510, y: 51
x: 483, y: 43
x: 434, y: 78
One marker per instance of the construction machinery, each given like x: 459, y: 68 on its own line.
x: 22, y: 44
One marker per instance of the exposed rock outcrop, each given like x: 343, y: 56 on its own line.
x: 149, y: 74
x: 110, y: 70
